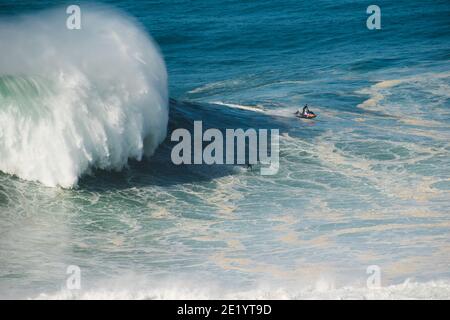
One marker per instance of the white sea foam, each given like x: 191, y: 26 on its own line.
x: 75, y: 100
x: 435, y: 83
x: 256, y: 108
x: 321, y: 290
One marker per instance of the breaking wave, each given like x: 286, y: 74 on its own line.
x: 321, y: 290
x: 75, y: 100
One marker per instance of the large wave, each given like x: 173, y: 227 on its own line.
x: 75, y: 100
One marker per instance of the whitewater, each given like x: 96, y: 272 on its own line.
x: 86, y: 177
x: 76, y: 100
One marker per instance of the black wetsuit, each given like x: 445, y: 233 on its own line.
x: 305, y: 111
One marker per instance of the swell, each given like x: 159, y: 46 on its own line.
x: 75, y: 100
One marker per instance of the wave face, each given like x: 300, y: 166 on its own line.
x: 75, y: 100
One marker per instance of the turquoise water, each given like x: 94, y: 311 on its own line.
x: 366, y: 183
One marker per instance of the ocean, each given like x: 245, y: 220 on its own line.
x: 360, y: 205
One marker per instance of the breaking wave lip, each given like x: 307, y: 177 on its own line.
x: 322, y: 290
x: 75, y: 100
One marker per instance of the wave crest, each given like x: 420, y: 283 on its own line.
x: 75, y: 100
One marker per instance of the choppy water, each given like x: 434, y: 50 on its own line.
x: 366, y: 183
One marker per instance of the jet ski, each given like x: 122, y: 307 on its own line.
x: 309, y: 115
